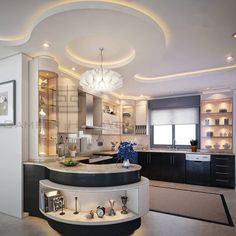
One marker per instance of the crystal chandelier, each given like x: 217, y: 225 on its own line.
x: 101, y: 79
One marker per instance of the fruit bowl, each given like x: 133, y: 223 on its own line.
x: 70, y: 162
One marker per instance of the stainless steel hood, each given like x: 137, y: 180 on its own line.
x: 89, y: 116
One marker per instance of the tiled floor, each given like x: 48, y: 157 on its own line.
x: 153, y: 224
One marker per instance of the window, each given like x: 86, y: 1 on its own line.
x: 174, y: 126
x: 184, y: 133
x: 162, y: 134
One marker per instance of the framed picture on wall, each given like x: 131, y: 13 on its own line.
x: 8, y: 103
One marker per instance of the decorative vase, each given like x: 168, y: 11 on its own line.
x: 126, y: 163
x: 194, y: 148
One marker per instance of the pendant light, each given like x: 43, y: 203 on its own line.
x: 101, y: 79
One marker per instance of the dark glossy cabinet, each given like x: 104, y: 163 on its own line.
x: 144, y: 161
x: 220, y: 172
x: 155, y: 166
x: 173, y: 167
x: 223, y: 171
x: 162, y: 166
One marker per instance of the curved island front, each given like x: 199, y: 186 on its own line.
x: 82, y: 189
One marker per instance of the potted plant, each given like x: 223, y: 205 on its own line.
x: 126, y: 153
x: 194, y: 143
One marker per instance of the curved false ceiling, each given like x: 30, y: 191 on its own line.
x: 62, y: 6
x: 116, y: 53
x: 159, y: 47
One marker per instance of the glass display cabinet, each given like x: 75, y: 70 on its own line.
x: 47, y: 130
x: 43, y: 115
x: 216, y: 124
x: 128, y: 119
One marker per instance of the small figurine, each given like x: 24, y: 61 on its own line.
x: 90, y: 215
x: 111, y: 210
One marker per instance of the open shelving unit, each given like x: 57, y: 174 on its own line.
x: 217, y: 124
x: 91, y: 197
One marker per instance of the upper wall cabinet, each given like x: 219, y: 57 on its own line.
x: 216, y: 124
x: 141, y: 115
x: 43, y: 108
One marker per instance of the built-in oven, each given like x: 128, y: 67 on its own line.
x: 198, y: 169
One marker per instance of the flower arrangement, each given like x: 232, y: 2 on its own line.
x: 126, y: 152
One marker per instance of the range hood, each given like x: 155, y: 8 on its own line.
x: 89, y: 113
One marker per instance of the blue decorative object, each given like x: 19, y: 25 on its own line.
x: 126, y: 153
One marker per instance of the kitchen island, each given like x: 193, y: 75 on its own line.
x: 94, y: 185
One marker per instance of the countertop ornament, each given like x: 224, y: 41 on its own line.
x: 90, y: 215
x: 100, y: 211
x: 124, y: 200
x: 76, y: 206
x: 126, y: 153
x: 111, y: 210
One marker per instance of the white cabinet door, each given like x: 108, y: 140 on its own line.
x: 141, y: 113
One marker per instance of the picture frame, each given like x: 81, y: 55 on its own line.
x: 8, y: 103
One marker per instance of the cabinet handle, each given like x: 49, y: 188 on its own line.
x: 173, y: 159
x: 222, y: 166
x: 222, y: 173
x: 222, y: 180
x: 222, y: 158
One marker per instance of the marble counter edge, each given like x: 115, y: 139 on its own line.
x: 90, y: 168
x: 169, y: 151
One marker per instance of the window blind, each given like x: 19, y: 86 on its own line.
x: 176, y: 116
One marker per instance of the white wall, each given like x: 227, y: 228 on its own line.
x: 14, y: 139
x: 234, y: 122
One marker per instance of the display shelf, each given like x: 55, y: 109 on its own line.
x: 81, y: 219
x: 216, y: 113
x: 91, y: 197
x: 111, y: 118
x: 221, y: 126
x: 217, y: 124
x: 220, y: 137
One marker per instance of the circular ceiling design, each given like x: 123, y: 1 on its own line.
x: 63, y: 6
x: 117, y: 52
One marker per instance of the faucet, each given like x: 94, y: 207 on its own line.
x: 173, y: 144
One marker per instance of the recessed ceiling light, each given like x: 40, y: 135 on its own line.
x: 46, y: 45
x: 229, y: 58
x: 73, y: 68
x: 234, y: 35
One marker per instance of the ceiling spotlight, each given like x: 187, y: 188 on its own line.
x: 46, y: 45
x: 229, y: 58
x: 73, y: 68
x: 234, y: 35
